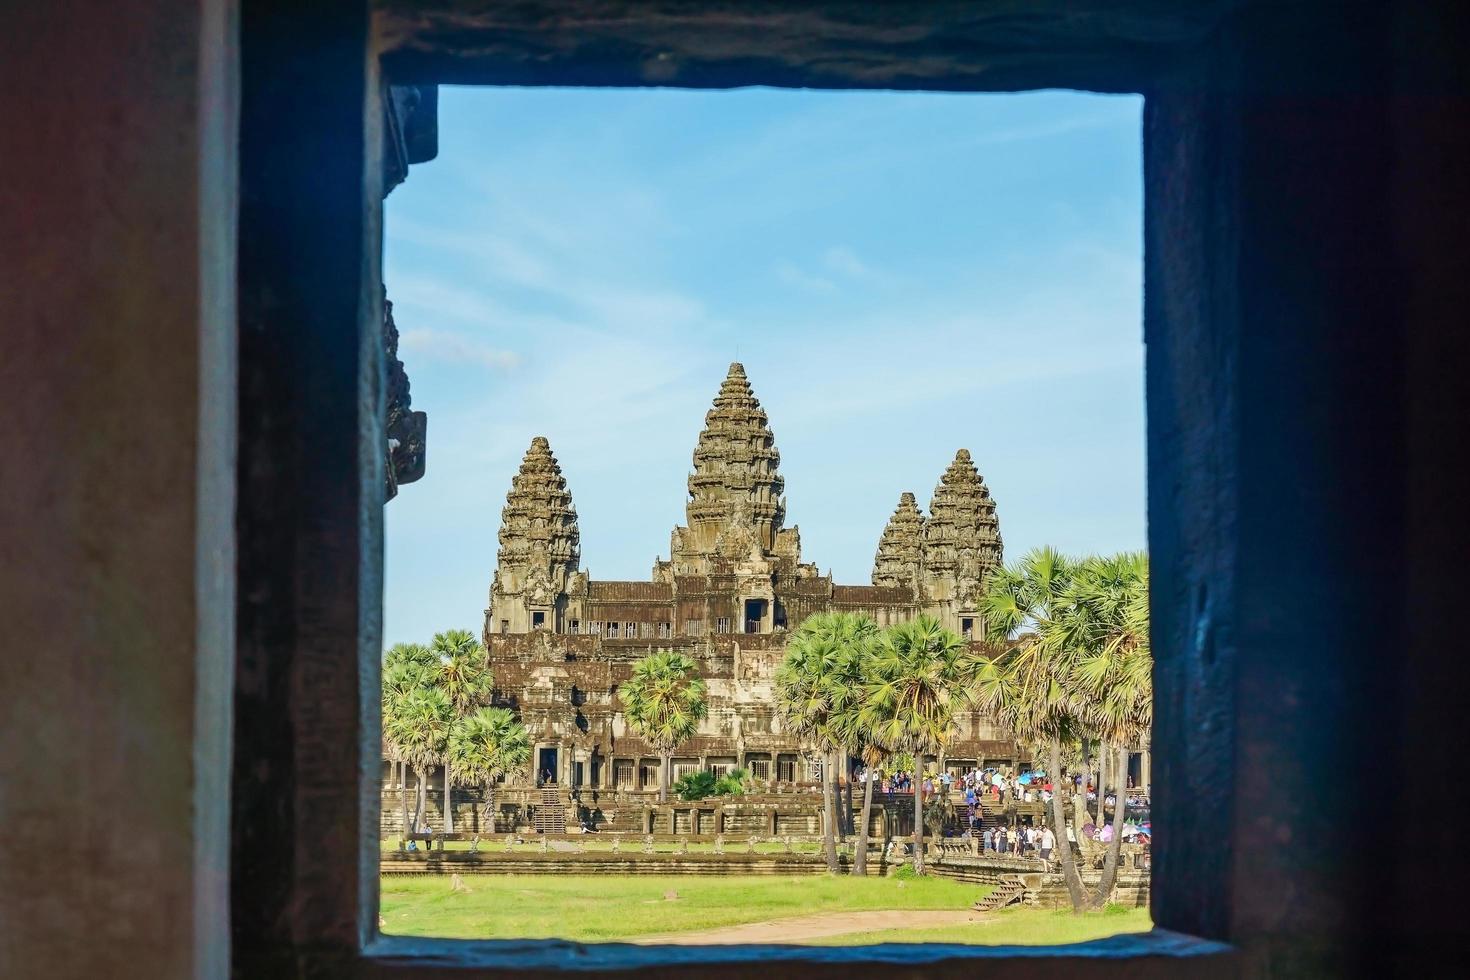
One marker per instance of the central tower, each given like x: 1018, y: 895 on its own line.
x: 736, y: 506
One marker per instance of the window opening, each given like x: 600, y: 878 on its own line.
x: 875, y: 228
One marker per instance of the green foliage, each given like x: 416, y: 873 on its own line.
x: 664, y: 701
x: 488, y: 744
x: 914, y: 682
x: 1077, y: 660
x: 703, y: 784
x: 906, y: 872
x: 463, y: 669
x: 695, y: 785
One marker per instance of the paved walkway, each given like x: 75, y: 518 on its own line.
x: 806, y: 927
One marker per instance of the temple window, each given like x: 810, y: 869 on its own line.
x: 967, y: 628
x: 574, y: 626
x: 645, y: 630
x: 665, y: 630
x: 693, y: 627
x: 504, y: 627
x: 722, y: 625
x: 612, y: 631
x: 538, y: 620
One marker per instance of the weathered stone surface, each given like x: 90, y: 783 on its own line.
x: 900, y: 558
x: 539, y: 543
x: 986, y: 45
x: 406, y: 429
x: 962, y: 543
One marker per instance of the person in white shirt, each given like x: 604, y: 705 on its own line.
x: 1048, y: 843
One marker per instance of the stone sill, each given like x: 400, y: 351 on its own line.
x: 1142, y: 955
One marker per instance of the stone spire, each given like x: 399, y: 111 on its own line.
x: 539, y: 540
x: 735, y: 474
x: 962, y: 543
x: 900, y: 550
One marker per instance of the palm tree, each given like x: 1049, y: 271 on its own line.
x: 486, y: 745
x: 664, y: 702
x: 916, y: 678
x: 1076, y: 666
x: 464, y: 677
x: 814, y: 677
x: 856, y: 636
x: 1112, y: 679
x: 1025, y: 686
x: 422, y: 726
x: 406, y: 667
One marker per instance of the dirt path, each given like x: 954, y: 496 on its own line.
x: 803, y: 927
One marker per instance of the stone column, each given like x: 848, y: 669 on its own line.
x: 118, y: 498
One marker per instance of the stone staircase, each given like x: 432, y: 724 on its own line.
x: 1010, y: 890
x: 551, y: 815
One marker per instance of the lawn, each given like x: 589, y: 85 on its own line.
x: 594, y: 908
x: 601, y: 908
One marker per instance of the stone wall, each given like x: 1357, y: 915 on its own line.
x: 490, y: 859
x: 1047, y: 889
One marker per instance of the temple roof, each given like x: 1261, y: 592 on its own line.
x: 962, y: 534
x: 900, y: 549
x: 735, y: 467
x: 538, y: 525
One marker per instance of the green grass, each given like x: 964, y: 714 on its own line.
x: 1012, y: 927
x: 599, y: 908
x: 602, y: 908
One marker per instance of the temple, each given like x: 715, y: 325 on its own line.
x: 734, y: 583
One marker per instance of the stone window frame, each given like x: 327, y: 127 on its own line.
x: 311, y: 462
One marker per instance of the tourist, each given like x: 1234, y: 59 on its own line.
x: 988, y: 837
x: 1048, y: 843
x: 1002, y: 840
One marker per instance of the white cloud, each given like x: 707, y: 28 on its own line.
x: 442, y: 345
x: 792, y: 275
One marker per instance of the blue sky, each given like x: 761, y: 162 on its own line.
x: 901, y: 274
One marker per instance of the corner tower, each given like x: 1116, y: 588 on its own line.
x: 539, y: 547
x: 962, y: 544
x: 899, y: 561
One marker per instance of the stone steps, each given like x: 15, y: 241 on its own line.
x: 1010, y: 890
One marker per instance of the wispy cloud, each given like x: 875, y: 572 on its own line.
x: 455, y: 348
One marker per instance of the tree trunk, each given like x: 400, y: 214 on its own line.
x: 860, y: 856
x: 487, y: 818
x: 834, y: 762
x: 666, y: 763
x: 847, y: 792
x: 1079, y: 798
x: 419, y: 798
x: 448, y: 800
x: 1115, y: 846
x: 1102, y: 784
x: 919, y: 821
x: 1059, y: 827
x: 403, y: 792
x: 829, y: 808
